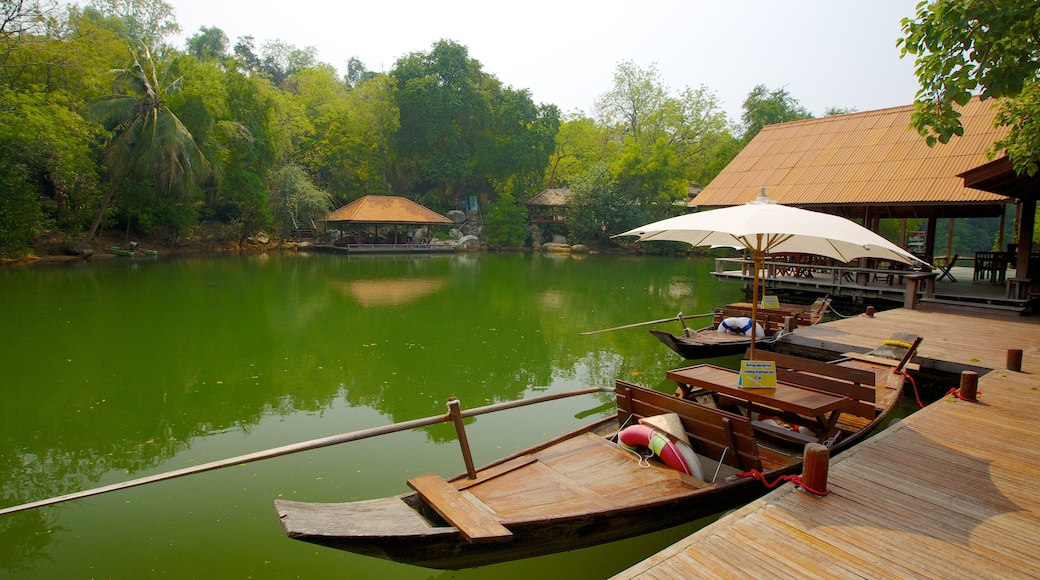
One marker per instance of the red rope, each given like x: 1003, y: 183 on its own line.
x: 957, y: 393
x: 914, y: 385
x: 795, y: 479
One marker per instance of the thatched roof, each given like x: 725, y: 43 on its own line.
x: 863, y: 159
x: 554, y: 197
x: 386, y: 209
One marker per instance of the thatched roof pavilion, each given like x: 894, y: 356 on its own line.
x: 386, y: 210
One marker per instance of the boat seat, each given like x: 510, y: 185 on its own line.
x: 475, y: 524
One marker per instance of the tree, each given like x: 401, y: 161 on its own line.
x: 765, y: 107
x: 504, y: 222
x: 295, y: 199
x: 444, y: 102
x: 140, y: 22
x: 599, y: 209
x: 149, y: 139
x: 47, y: 169
x: 580, y: 144
x: 993, y: 48
x: 637, y: 96
x: 208, y: 43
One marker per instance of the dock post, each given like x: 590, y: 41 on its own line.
x: 870, y: 312
x: 815, y: 467
x: 969, y: 385
x: 460, y: 429
x: 1014, y: 360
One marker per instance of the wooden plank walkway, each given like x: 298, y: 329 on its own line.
x: 955, y: 339
x: 953, y: 491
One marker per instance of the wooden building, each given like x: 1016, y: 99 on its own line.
x: 549, y: 206
x: 872, y: 165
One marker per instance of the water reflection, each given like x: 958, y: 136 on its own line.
x: 117, y: 370
x: 375, y: 293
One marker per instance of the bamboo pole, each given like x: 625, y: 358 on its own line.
x: 680, y: 317
x: 297, y: 447
x: 460, y: 431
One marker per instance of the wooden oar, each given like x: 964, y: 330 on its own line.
x: 303, y: 446
x: 681, y: 316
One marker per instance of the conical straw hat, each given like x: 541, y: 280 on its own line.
x: 669, y: 424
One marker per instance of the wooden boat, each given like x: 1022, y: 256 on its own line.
x: 583, y: 489
x: 708, y: 342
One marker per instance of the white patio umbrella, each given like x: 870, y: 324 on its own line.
x: 763, y: 226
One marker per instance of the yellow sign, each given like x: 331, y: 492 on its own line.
x: 757, y: 374
x: 771, y: 302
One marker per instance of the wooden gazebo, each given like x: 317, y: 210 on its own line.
x: 385, y: 210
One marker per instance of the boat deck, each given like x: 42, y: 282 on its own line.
x: 949, y: 492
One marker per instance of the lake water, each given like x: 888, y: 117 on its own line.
x: 123, y: 368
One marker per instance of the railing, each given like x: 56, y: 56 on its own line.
x: 454, y: 415
x: 837, y: 275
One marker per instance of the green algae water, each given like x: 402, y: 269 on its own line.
x: 119, y: 369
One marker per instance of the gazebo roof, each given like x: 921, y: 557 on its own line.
x: 386, y: 209
x: 845, y: 163
x: 554, y: 197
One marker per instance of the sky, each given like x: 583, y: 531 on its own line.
x: 826, y: 54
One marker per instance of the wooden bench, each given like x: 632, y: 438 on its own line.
x: 710, y: 431
x: 474, y: 522
x: 856, y: 384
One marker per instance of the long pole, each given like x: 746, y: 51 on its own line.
x: 759, y: 261
x: 297, y: 447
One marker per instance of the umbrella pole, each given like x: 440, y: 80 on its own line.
x: 759, y: 261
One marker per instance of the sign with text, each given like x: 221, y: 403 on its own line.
x: 757, y: 374
x: 771, y: 302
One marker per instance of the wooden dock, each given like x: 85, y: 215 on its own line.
x: 955, y: 339
x: 953, y: 491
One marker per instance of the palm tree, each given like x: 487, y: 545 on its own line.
x: 149, y: 140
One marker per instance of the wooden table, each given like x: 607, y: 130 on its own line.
x: 814, y: 409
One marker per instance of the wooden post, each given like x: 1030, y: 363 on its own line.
x: 969, y: 385
x: 460, y: 429
x: 789, y: 324
x: 870, y: 312
x: 910, y: 299
x: 817, y: 463
x: 1014, y: 360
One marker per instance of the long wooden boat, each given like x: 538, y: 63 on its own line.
x: 583, y: 489
x: 709, y: 342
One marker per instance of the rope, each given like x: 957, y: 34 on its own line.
x: 898, y: 343
x: 839, y: 314
x: 795, y: 479
x: 912, y: 384
x: 957, y: 393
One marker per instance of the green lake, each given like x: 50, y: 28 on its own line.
x: 124, y: 368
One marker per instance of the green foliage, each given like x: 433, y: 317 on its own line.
x: 294, y: 199
x: 580, y: 143
x: 504, y: 222
x: 599, y: 209
x: 150, y: 141
x: 21, y: 219
x: 47, y: 164
x: 992, y: 48
x: 139, y: 22
x: 765, y: 107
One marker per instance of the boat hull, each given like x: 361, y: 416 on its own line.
x: 695, y: 348
x: 391, y: 529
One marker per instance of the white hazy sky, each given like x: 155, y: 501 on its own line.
x: 837, y: 53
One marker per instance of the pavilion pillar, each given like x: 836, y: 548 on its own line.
x: 1025, y: 237
x: 929, y: 241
